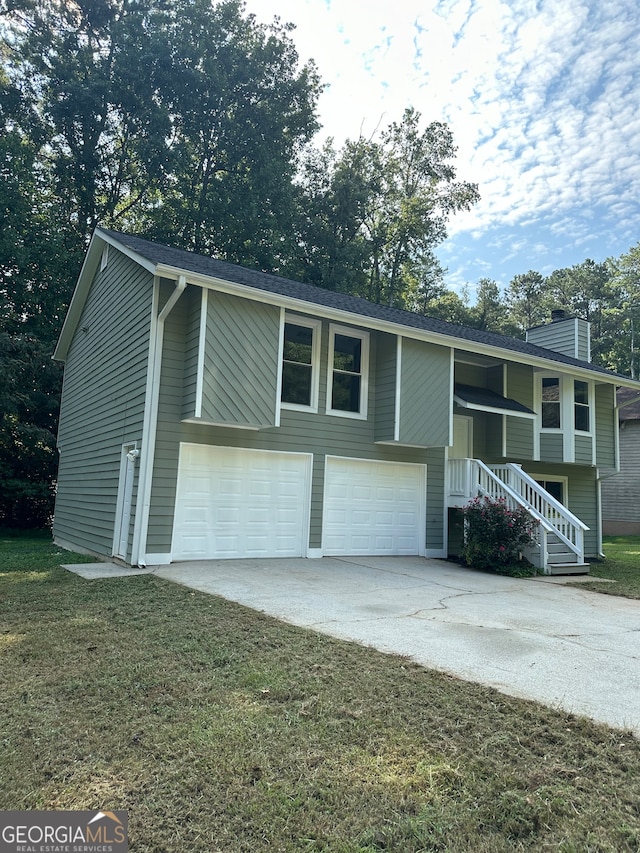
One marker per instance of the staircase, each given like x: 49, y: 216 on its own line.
x: 558, y: 548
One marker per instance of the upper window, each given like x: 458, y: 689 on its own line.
x: 581, y: 405
x: 300, y: 364
x: 551, y: 403
x: 348, y: 372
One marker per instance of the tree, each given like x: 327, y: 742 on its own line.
x: 622, y: 320
x: 384, y: 205
x: 184, y: 120
x: 526, y: 301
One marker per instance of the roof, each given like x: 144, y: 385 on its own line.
x: 628, y: 399
x: 166, y: 259
x: 483, y: 398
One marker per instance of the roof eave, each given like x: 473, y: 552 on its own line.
x: 294, y: 303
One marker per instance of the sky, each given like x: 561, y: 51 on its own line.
x: 542, y: 98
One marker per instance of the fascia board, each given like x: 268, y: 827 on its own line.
x: 80, y: 292
x: 139, y: 259
x: 85, y: 279
x: 340, y: 315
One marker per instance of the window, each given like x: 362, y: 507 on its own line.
x: 551, y: 403
x: 348, y: 372
x: 581, y: 405
x: 299, y: 364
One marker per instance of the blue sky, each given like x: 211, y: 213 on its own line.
x: 542, y: 96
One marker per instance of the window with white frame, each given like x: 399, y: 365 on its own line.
x: 347, y: 376
x: 300, y: 358
x: 581, y: 405
x: 551, y: 403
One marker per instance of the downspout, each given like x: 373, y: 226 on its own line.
x: 147, y: 454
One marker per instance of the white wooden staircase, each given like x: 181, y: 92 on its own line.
x: 558, y: 547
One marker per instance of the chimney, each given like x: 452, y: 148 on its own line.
x: 565, y: 334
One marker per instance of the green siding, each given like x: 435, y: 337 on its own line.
x: 582, y: 496
x: 320, y: 434
x: 559, y: 336
x: 494, y: 426
x: 192, y: 298
x: 103, y: 402
x: 583, y: 449
x: 519, y: 438
x: 384, y: 382
x: 240, y: 361
x: 605, y: 426
x: 425, y: 394
x: 551, y: 447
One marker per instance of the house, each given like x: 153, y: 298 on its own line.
x: 212, y: 411
x: 621, y: 492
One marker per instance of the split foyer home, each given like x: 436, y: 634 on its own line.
x: 211, y: 411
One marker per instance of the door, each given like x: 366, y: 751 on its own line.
x: 462, y: 438
x: 234, y: 502
x: 373, y: 507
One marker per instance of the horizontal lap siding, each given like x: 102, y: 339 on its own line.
x: 385, y: 385
x: 193, y: 303
x: 582, y: 496
x: 520, y: 431
x: 551, y: 448
x: 102, y: 402
x: 606, y: 426
x: 302, y: 432
x: 621, y: 493
x: 583, y: 449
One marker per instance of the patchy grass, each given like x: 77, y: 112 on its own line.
x: 220, y: 729
x: 621, y: 565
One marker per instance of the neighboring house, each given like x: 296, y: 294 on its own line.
x: 211, y: 411
x: 621, y: 493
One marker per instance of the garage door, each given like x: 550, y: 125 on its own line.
x: 234, y: 502
x: 373, y: 507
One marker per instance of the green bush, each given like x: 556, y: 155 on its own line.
x: 495, y: 536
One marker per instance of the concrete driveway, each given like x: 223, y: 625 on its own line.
x: 538, y: 638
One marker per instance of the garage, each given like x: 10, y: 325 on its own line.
x: 373, y: 507
x: 233, y: 502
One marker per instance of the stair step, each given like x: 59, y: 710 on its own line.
x: 563, y: 557
x: 568, y: 568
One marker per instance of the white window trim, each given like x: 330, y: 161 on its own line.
x: 316, y: 326
x: 555, y: 478
x: 364, y: 371
x: 567, y: 428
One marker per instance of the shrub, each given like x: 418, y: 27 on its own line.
x: 495, y: 536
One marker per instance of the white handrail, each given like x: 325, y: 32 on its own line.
x: 469, y: 477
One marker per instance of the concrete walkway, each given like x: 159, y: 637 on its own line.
x: 538, y: 639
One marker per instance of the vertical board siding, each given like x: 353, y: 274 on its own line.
x: 621, y: 493
x: 425, y: 394
x: 103, y: 401
x: 605, y: 426
x: 193, y: 302
x: 240, y: 361
x: 384, y: 382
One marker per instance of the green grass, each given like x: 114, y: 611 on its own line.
x: 621, y: 565
x: 220, y: 729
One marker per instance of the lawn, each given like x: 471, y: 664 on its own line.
x: 621, y: 565
x: 220, y: 729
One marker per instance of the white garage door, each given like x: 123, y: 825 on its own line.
x: 373, y: 507
x: 233, y: 502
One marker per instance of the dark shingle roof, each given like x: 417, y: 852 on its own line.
x: 490, y: 399
x: 202, y: 265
